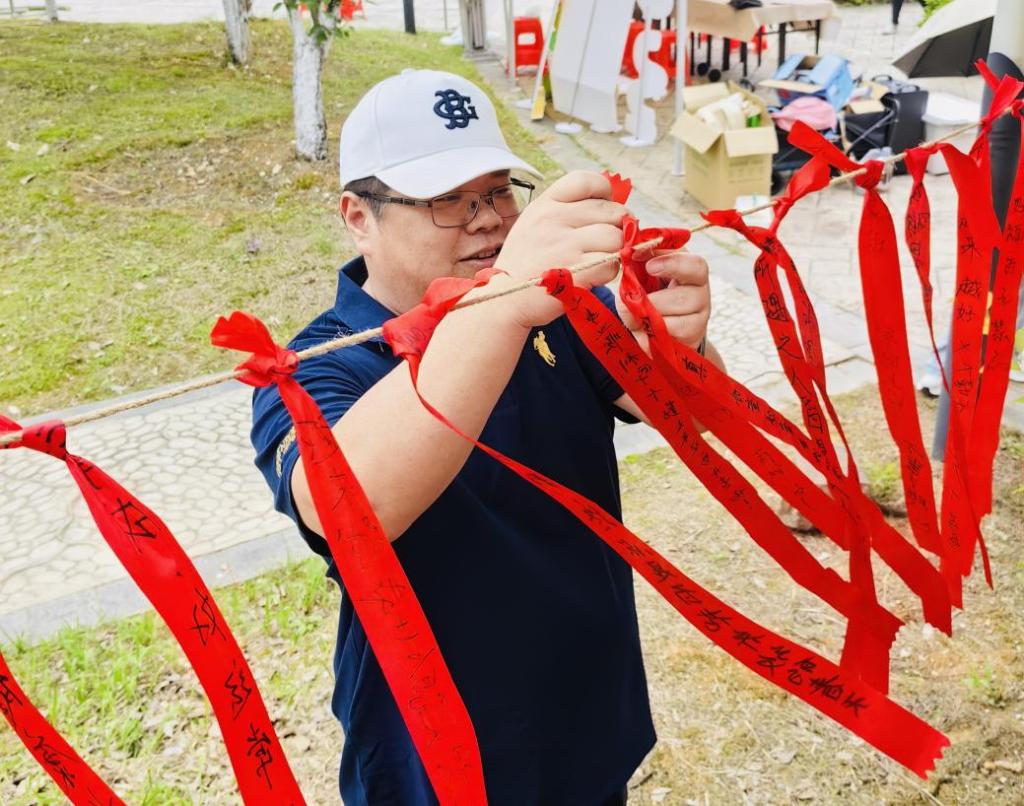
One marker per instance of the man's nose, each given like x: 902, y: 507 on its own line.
x: 486, y: 217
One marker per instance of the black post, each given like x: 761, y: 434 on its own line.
x: 410, y: 17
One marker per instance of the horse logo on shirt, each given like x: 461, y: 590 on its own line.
x: 540, y: 344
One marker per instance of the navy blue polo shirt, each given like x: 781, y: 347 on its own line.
x: 534, y: 614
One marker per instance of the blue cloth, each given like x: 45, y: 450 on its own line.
x: 534, y: 614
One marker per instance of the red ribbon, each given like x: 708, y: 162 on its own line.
x: 76, y: 779
x: 984, y: 439
x: 709, y: 393
x: 977, y: 234
x: 1005, y: 92
x: 801, y: 357
x: 817, y: 681
x: 886, y: 321
x: 163, y: 572
x: 917, y: 231
x: 381, y: 594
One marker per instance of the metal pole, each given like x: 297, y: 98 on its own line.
x: 410, y: 17
x: 444, y: 6
x: 681, y: 34
x: 510, y: 40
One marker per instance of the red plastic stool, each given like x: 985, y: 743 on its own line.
x: 528, y: 37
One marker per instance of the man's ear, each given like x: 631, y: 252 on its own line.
x: 359, y: 221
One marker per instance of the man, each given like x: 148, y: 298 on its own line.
x: 533, y: 613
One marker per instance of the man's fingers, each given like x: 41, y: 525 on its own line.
x: 598, y: 238
x: 592, y: 211
x: 599, y: 275
x: 579, y: 185
x: 689, y: 329
x: 682, y: 267
x: 680, y: 300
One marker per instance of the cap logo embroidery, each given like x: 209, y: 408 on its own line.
x: 455, y: 108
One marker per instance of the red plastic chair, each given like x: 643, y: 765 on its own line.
x: 758, y: 43
x: 635, y: 29
x: 349, y: 8
x: 528, y: 37
x: 664, y: 55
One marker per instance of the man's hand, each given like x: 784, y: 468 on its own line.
x: 570, y: 223
x: 685, y: 303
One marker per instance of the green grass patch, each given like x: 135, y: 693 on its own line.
x: 148, y: 187
x: 123, y: 690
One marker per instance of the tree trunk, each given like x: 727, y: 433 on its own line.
x: 51, y: 10
x: 236, y: 24
x: 308, y: 57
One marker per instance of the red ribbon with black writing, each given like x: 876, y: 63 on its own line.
x: 383, y: 598
x: 75, y: 778
x: 977, y: 235
x: 886, y: 322
x: 828, y: 688
x: 163, y: 572
x: 709, y: 394
x: 801, y: 356
x: 806, y: 370
x: 1003, y: 324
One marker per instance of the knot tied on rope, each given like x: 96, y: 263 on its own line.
x: 636, y: 247
x: 48, y: 437
x: 873, y: 173
x: 245, y: 333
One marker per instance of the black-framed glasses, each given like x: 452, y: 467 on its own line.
x: 458, y: 207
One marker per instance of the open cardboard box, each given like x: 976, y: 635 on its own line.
x: 723, y: 165
x: 829, y: 78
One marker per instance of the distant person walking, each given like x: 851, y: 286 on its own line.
x: 897, y: 6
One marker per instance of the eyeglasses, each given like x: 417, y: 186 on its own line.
x: 459, y: 207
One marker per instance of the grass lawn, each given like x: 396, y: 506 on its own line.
x: 124, y: 697
x: 148, y: 187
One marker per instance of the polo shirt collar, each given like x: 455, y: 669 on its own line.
x: 353, y: 306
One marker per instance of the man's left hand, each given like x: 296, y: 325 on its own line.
x: 684, y: 302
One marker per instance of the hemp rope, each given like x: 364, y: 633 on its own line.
x: 365, y: 335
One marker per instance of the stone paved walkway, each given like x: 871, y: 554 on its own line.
x: 204, y: 484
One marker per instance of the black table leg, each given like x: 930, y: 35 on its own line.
x: 817, y: 36
x: 782, y: 42
x: 709, y: 50
x: 743, y: 57
x: 726, y: 52
x: 760, y: 44
x: 693, y: 52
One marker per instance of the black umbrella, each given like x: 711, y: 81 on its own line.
x: 951, y: 41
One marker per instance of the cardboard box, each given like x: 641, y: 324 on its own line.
x: 828, y: 77
x: 870, y: 102
x: 723, y: 165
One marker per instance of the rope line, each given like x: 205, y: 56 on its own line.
x: 365, y: 335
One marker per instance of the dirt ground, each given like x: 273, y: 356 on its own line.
x: 727, y: 737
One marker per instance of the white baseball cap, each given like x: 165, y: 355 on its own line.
x: 424, y: 132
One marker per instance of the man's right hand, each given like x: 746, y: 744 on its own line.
x: 571, y: 222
